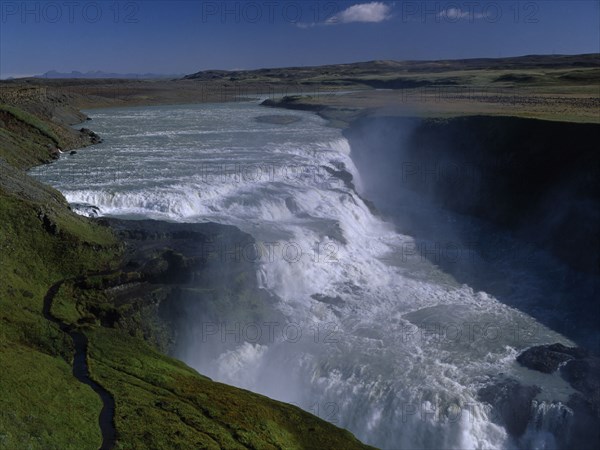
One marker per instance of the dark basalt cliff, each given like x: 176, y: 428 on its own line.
x: 538, y: 179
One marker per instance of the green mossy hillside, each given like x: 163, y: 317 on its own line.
x: 29, y: 135
x: 162, y: 403
x: 42, y: 405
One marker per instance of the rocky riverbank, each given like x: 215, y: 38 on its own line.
x: 577, y: 420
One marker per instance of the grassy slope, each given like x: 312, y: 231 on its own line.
x: 24, y: 139
x: 165, y: 404
x: 42, y: 405
x: 161, y: 403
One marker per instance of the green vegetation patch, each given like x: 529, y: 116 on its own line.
x: 30, y: 120
x: 42, y: 405
x: 163, y: 404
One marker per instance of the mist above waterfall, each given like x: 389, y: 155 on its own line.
x: 491, y: 201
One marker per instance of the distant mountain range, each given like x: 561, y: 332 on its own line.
x: 101, y: 74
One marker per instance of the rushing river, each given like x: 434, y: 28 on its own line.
x: 377, y: 339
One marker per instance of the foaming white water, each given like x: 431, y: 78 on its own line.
x: 376, y: 338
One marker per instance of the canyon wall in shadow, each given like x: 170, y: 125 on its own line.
x: 494, y: 186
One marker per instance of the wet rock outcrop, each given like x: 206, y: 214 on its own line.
x: 512, y: 403
x: 548, y: 358
x: 582, y: 371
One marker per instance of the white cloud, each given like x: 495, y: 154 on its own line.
x: 373, y: 12
x: 454, y: 14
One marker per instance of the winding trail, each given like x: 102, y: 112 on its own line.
x: 81, y: 370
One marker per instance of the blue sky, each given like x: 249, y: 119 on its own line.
x: 187, y: 36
